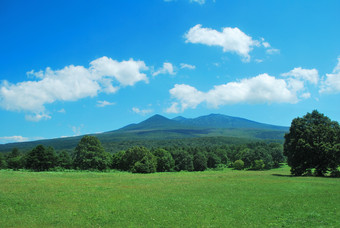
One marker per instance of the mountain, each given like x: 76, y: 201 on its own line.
x: 159, y: 127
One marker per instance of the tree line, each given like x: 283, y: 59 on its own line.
x: 91, y: 155
x: 312, y: 146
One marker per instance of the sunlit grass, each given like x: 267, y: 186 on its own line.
x: 191, y: 199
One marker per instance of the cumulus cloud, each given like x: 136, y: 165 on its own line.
x: 260, y: 89
x: 230, y: 39
x: 141, y: 111
x: 167, y: 68
x: 102, y: 104
x: 69, y: 84
x: 331, y: 83
x: 311, y: 75
x: 187, y: 66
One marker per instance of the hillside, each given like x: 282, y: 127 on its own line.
x: 159, y: 127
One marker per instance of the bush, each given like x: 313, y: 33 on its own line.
x: 258, y: 165
x: 238, y: 165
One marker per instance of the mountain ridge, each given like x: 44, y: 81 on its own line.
x: 158, y: 127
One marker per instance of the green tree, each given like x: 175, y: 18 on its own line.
x: 64, y: 160
x: 183, y: 160
x: 3, y: 164
x: 312, y: 143
x: 200, y: 162
x: 165, y: 161
x: 238, y: 165
x: 15, y: 160
x: 90, y: 155
x: 41, y: 158
x: 148, y: 164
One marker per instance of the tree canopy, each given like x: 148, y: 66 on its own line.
x: 313, y: 142
x: 90, y: 154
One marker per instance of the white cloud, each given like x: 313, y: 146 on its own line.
x: 62, y: 111
x: 167, y: 68
x: 260, y: 89
x: 102, y: 104
x: 37, y: 117
x: 69, y: 84
x: 173, y: 108
x: 141, y: 111
x: 11, y: 139
x: 127, y: 73
x: 230, y: 39
x: 77, y: 130
x: 188, y: 96
x: 311, y: 75
x: 331, y: 83
x: 272, y: 51
x: 187, y: 66
x: 201, y: 2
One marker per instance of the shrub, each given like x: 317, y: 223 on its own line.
x: 238, y: 165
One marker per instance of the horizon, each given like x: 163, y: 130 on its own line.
x: 72, y: 68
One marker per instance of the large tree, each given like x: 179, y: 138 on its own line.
x: 313, y: 142
x: 90, y: 154
x: 41, y: 158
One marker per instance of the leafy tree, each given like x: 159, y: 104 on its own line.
x: 213, y: 160
x: 15, y: 160
x: 165, y: 161
x: 200, y: 162
x: 90, y: 154
x: 2, y: 162
x: 238, y: 164
x: 117, y: 160
x: 183, y: 160
x: 258, y: 165
x: 312, y: 143
x: 148, y: 164
x: 41, y: 158
x: 64, y: 160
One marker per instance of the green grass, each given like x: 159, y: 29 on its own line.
x: 197, y: 199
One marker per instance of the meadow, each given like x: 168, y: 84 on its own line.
x: 224, y: 198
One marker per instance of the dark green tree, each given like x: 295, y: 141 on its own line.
x: 148, y: 164
x: 3, y: 164
x: 200, y: 162
x: 90, y: 155
x: 15, y: 160
x: 312, y: 143
x: 183, y: 160
x: 41, y: 158
x: 64, y: 160
x: 165, y: 161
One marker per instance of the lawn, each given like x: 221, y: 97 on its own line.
x: 225, y: 198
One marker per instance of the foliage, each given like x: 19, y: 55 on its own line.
x: 90, y: 154
x: 15, y: 160
x: 41, y: 158
x: 313, y: 143
x: 165, y: 161
x: 238, y: 165
x: 64, y: 160
x: 3, y: 163
x: 148, y: 164
x: 183, y: 160
x: 136, y: 159
x: 258, y: 165
x: 200, y: 162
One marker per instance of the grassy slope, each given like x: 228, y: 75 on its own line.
x: 212, y: 198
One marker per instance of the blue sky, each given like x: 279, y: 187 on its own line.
x: 76, y: 67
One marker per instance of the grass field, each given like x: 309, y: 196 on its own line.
x: 225, y: 198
